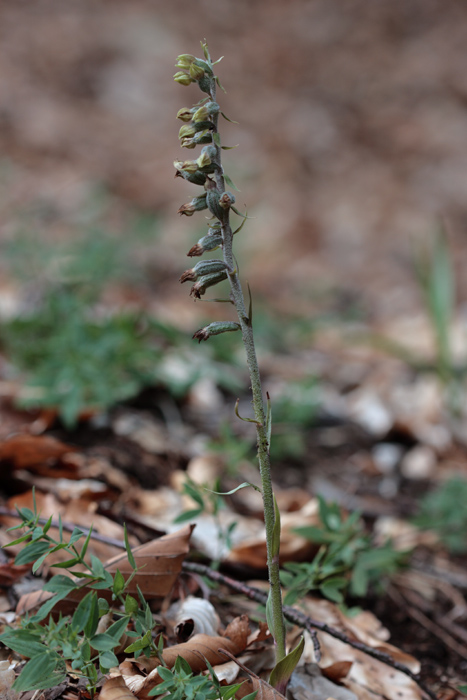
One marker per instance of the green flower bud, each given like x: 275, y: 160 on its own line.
x: 205, y: 111
x: 199, y: 288
x: 205, y: 244
x: 203, y: 137
x: 207, y: 156
x: 204, y: 267
x: 185, y: 114
x: 212, y: 199
x: 196, y: 72
x: 216, y: 328
x: 184, y: 61
x: 205, y: 66
x: 196, y: 204
x: 186, y: 131
x: 205, y: 85
x: 196, y: 178
x: 183, y: 78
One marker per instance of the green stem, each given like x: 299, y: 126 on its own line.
x: 260, y: 418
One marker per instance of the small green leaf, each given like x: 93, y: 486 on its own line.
x: 43, y: 671
x: 269, y: 614
x: 119, y: 583
x: 81, y: 615
x: 282, y: 671
x: 140, y: 644
x: 76, y: 535
x: 23, y: 642
x: 229, y: 120
x: 131, y: 605
x: 230, y: 183
x: 60, y: 583
x: 118, y: 628
x: 103, y: 642
x: 93, y: 620
x: 32, y: 552
x: 216, y: 138
x: 188, y: 515
x: 107, y: 660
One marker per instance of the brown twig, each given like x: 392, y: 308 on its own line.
x: 306, y: 622
x: 291, y: 614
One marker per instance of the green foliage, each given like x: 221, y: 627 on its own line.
x: 443, y: 510
x: 233, y: 448
x: 295, y: 410
x: 181, y: 684
x: 347, y: 563
x: 75, y: 639
x: 73, y: 361
x: 207, y: 502
x: 436, y: 278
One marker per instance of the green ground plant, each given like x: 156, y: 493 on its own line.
x: 444, y: 511
x: 208, y: 502
x: 76, y: 639
x: 347, y: 564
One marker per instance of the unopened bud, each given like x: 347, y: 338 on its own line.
x: 196, y: 178
x: 204, y: 267
x: 184, y: 61
x: 215, y: 329
x: 212, y: 199
x: 199, y: 288
x: 207, y: 156
x: 196, y: 72
x: 206, y: 244
x: 205, y: 85
x: 205, y: 66
x: 185, y: 114
x: 186, y: 131
x: 227, y: 200
x: 205, y: 111
x: 196, y: 204
x: 183, y: 78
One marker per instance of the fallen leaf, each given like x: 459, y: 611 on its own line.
x: 195, y: 652
x: 115, y: 689
x: 159, y: 563
x: 264, y: 691
x: 26, y: 451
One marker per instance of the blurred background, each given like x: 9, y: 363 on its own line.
x: 352, y: 149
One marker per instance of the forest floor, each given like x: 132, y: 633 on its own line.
x: 349, y: 186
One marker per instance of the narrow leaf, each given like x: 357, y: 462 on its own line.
x: 231, y: 183
x: 247, y: 420
x: 282, y: 671
x: 242, y: 486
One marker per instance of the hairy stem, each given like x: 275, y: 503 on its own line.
x: 260, y: 417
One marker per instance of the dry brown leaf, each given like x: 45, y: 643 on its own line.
x: 252, y: 551
x: 26, y: 451
x: 264, y: 690
x: 115, y: 689
x: 368, y: 678
x: 79, y: 512
x: 159, y: 561
x: 9, y: 573
x: 195, y: 652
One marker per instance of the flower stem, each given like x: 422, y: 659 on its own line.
x: 259, y: 412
